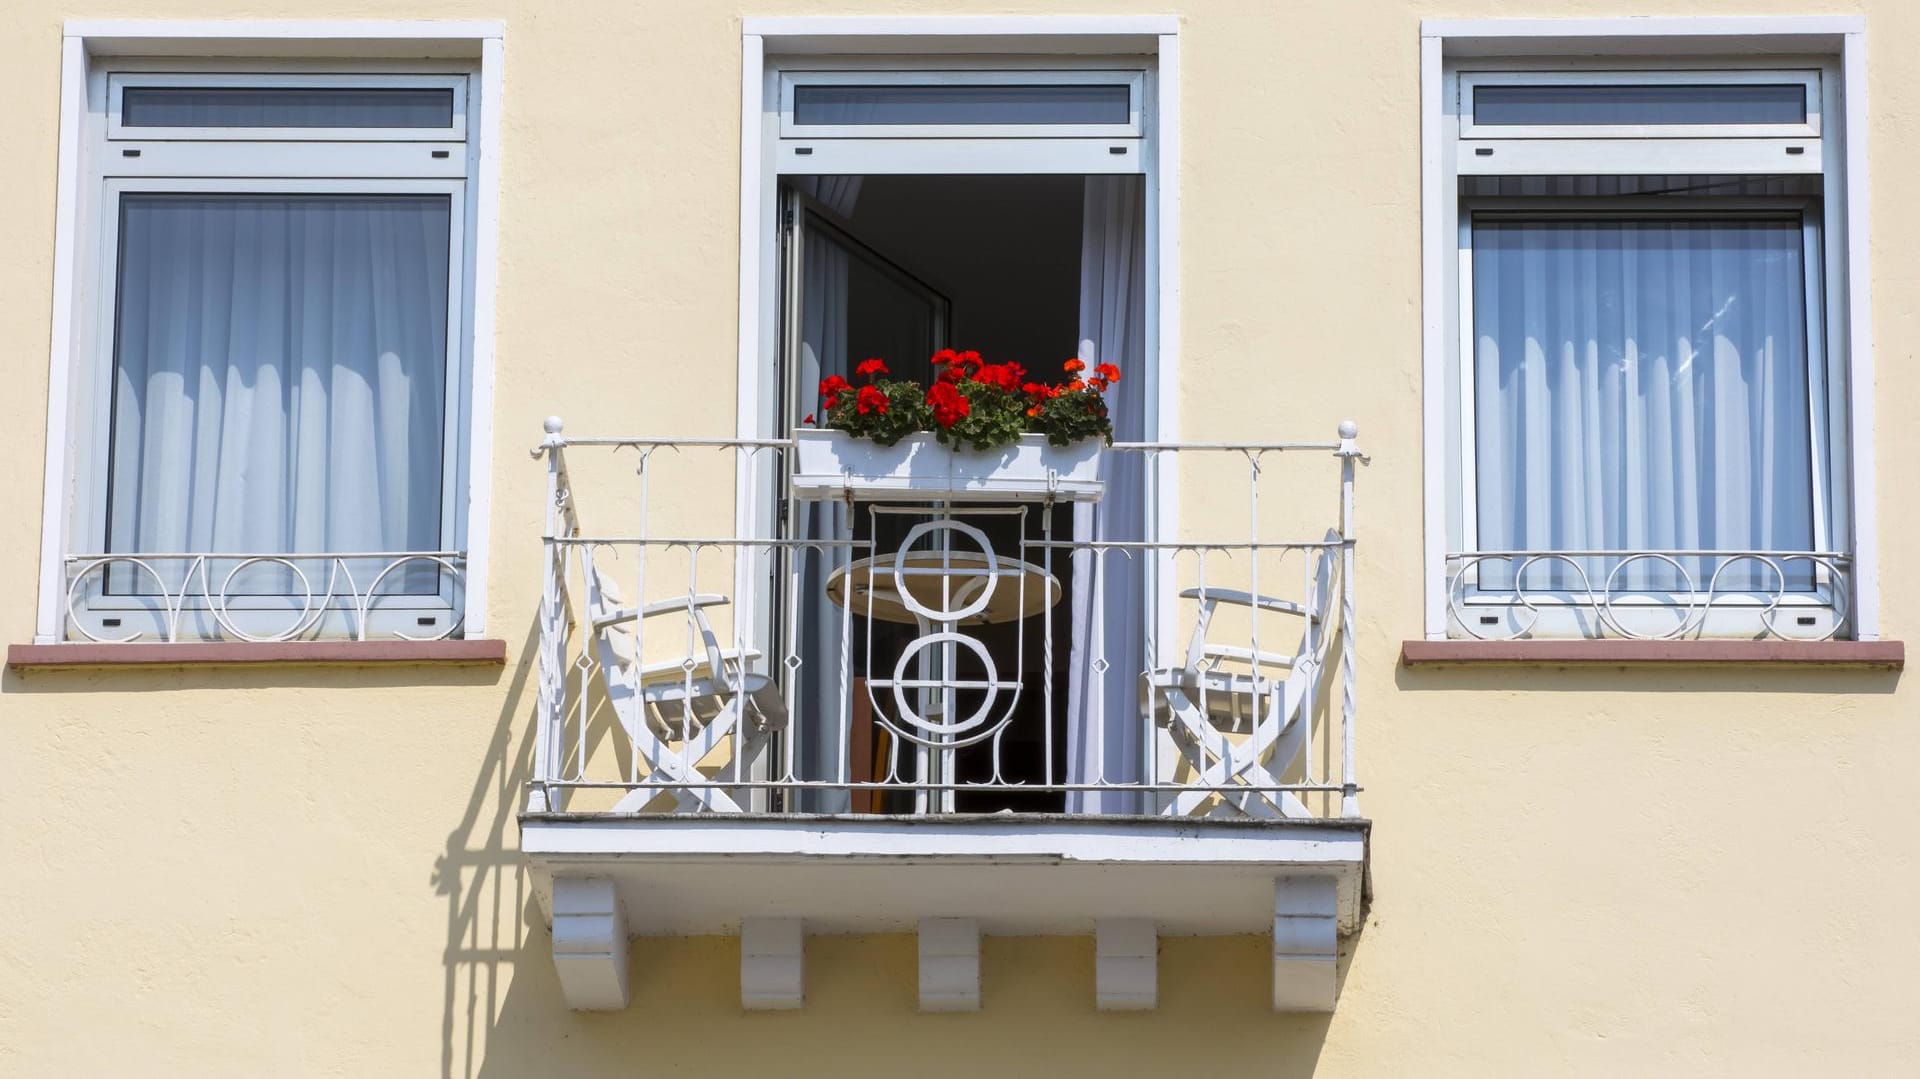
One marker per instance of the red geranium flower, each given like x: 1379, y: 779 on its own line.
x: 871, y: 399
x: 809, y: 420
x: 871, y: 366
x: 832, y: 387
x: 943, y: 357
x: 968, y: 359
x: 948, y: 404
x: 1002, y: 376
x: 1075, y: 364
x: 1108, y: 372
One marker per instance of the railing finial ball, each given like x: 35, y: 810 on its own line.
x: 1349, y: 429
x: 552, y: 425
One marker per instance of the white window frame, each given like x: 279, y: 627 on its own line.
x: 90, y: 164
x: 1452, y: 47
x: 1134, y: 80
x: 1472, y: 80
x: 119, y: 82
x: 772, y: 45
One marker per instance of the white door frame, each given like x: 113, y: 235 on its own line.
x: 1154, y: 36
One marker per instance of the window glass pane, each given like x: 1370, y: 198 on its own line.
x: 883, y: 105
x: 279, y: 371
x: 1757, y: 103
x: 1642, y: 385
x: 255, y: 106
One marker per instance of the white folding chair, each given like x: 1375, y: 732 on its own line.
x: 686, y: 705
x: 1220, y: 689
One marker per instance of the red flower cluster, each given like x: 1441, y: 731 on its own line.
x: 1004, y: 376
x: 949, y: 406
x: 955, y: 366
x: 832, y: 387
x: 964, y: 385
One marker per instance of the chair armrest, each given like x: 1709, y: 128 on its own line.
x: 1247, y: 655
x: 678, y: 605
x: 1243, y: 599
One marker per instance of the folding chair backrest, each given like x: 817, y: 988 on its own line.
x: 1322, y: 602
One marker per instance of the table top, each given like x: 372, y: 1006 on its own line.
x: 950, y: 584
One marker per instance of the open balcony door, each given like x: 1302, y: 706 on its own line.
x: 840, y: 302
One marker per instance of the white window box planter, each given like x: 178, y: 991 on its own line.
x: 834, y: 464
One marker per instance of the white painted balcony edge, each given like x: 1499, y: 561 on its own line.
x: 1034, y: 875
x: 775, y: 880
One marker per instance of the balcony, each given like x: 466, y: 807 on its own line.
x: 779, y: 707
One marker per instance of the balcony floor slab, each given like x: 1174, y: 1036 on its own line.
x: 1016, y: 874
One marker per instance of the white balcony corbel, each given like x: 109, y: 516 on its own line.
x: 1126, y: 967
x: 949, y: 965
x: 1306, y: 943
x: 772, y: 964
x: 590, y: 943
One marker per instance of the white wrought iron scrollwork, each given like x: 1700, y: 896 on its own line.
x: 326, y: 597
x: 1615, y: 606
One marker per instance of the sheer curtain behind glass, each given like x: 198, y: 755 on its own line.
x: 280, y: 375
x: 1641, y: 384
x: 853, y: 304
x: 1109, y: 591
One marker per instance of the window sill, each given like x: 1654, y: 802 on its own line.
x: 55, y: 657
x: 1869, y: 655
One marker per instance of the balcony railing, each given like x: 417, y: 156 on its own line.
x: 709, y: 645
x: 1649, y: 595
x: 175, y: 597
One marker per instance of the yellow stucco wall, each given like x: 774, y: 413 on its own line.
x: 314, y: 871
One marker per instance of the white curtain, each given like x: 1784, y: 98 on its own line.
x: 1642, y: 385
x: 1109, y: 598
x: 280, y: 373
x: 823, y: 348
x: 837, y: 193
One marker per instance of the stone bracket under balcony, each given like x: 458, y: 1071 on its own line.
x: 1125, y: 881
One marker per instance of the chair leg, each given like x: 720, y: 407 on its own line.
x: 664, y: 761
x: 1221, y: 765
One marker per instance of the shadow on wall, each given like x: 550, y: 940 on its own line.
x: 491, y: 912
x: 504, y: 1015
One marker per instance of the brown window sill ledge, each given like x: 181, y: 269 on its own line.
x: 1867, y: 655
x: 54, y: 657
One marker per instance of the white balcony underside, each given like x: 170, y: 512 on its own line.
x: 1016, y: 875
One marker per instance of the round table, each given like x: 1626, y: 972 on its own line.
x: 1018, y: 589
x: 945, y: 589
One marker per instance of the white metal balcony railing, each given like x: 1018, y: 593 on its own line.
x: 1649, y: 595
x: 171, y: 597
x: 872, y: 657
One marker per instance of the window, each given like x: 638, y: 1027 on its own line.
x: 1648, y: 388
x: 276, y: 377
x: 1639, y: 104
x: 970, y: 103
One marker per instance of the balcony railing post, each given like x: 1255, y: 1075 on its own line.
x: 552, y: 674
x: 1349, y: 454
